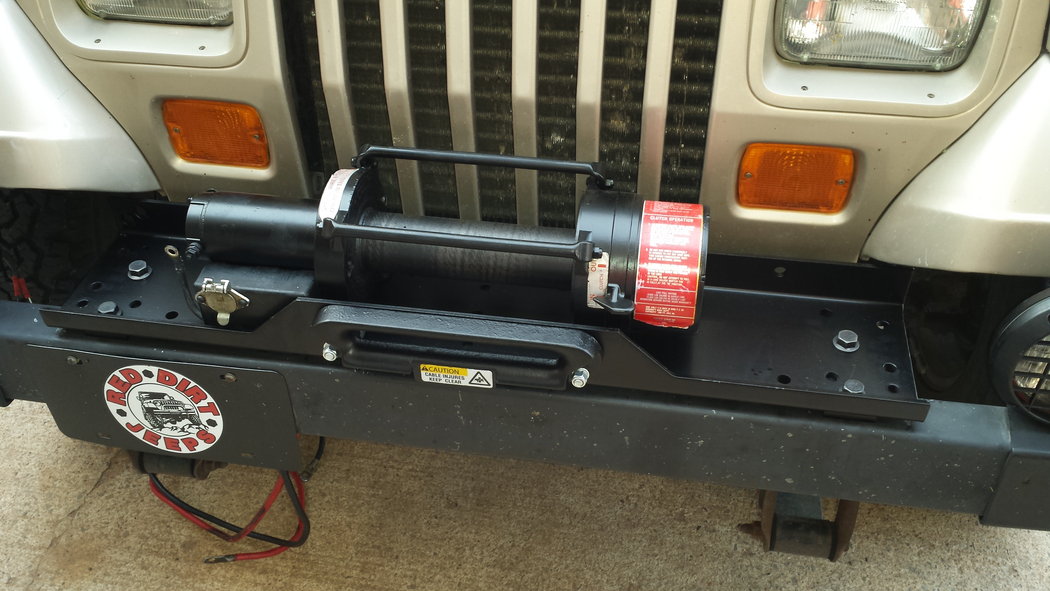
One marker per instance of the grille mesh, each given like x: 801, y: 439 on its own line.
x: 492, y: 113
x: 304, y: 64
x: 365, y: 55
x: 430, y: 103
x: 559, y: 44
x: 692, y: 77
x: 1032, y: 379
x: 627, y: 22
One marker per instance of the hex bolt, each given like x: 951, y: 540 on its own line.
x: 109, y: 308
x: 853, y: 387
x: 579, y: 377
x: 847, y: 341
x: 329, y: 353
x: 139, y: 270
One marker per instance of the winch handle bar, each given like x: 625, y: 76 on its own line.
x: 369, y: 154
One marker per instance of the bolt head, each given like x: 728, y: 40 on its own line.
x: 847, y: 340
x: 139, y: 269
x: 579, y: 377
x: 852, y: 386
x: 109, y: 308
x: 329, y: 353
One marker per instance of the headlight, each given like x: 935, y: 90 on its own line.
x: 172, y: 12
x: 898, y: 34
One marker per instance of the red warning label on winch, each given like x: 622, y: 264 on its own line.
x: 670, y: 253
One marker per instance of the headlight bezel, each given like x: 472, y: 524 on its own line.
x: 122, y: 41
x: 1009, y: 41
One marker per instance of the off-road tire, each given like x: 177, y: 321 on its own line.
x: 952, y: 319
x: 50, y: 238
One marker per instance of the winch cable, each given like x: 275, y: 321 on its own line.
x: 290, y: 482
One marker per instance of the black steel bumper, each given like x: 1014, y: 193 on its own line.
x: 967, y: 458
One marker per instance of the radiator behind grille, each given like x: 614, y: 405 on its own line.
x: 623, y: 85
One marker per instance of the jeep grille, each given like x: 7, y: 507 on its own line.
x: 416, y: 37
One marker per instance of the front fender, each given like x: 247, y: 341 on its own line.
x: 983, y: 206
x: 54, y: 134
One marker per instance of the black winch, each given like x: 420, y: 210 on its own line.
x: 626, y: 256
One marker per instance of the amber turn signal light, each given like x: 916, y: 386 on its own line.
x: 795, y: 177
x: 214, y: 132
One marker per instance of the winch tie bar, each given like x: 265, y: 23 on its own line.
x: 369, y: 154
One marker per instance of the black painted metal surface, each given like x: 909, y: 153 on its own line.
x: 769, y: 347
x: 258, y: 424
x: 518, y: 354
x: 1020, y: 499
x: 254, y: 230
x: 268, y: 289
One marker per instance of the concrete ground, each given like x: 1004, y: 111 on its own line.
x: 76, y: 516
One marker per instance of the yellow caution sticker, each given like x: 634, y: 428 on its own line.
x: 455, y: 376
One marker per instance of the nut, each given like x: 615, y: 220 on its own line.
x: 139, y: 270
x: 109, y: 308
x: 329, y: 353
x: 853, y: 387
x: 847, y: 341
x: 579, y: 377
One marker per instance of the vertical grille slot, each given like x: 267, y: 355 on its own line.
x: 304, y: 65
x: 367, y: 95
x: 689, y: 103
x: 558, y: 47
x: 623, y: 84
x: 492, y: 67
x: 426, y: 37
